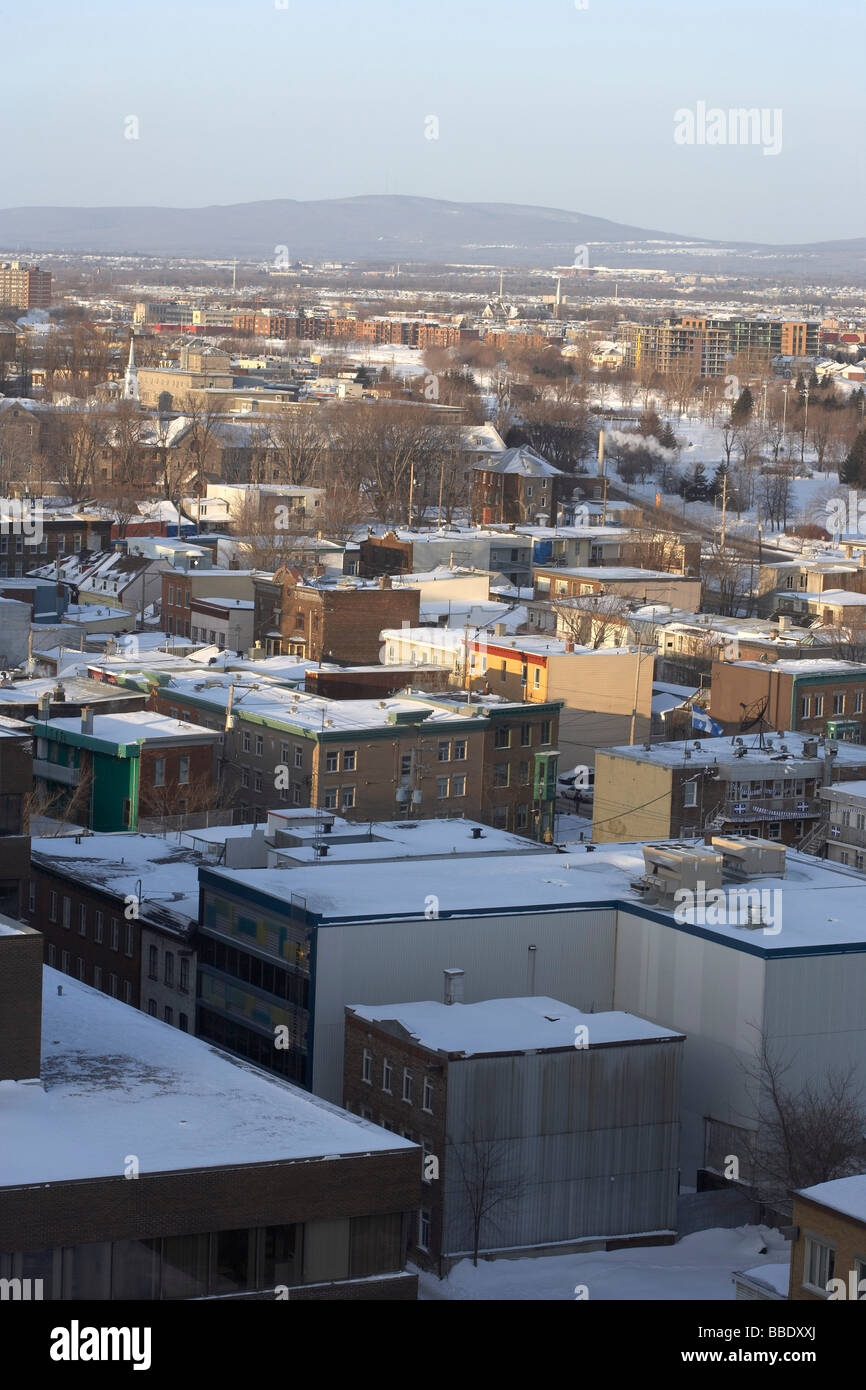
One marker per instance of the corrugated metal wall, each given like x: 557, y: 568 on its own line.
x: 587, y: 1144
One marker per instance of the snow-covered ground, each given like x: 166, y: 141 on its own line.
x: 699, y: 1267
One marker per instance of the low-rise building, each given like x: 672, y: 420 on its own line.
x: 828, y: 1253
x: 245, y: 1187
x: 329, y: 622
x: 541, y: 1127
x: 812, y: 695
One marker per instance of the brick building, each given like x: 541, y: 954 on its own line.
x: 339, y: 622
x: 814, y: 696
x: 829, y: 1241
x: 183, y: 587
x: 516, y: 486
x: 245, y: 1186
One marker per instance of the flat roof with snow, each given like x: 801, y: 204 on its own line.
x: 845, y: 1195
x: 116, y: 1081
x: 536, y: 1024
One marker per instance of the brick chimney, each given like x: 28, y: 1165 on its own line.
x: 20, y: 1001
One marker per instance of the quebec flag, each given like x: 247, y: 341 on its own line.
x: 701, y: 720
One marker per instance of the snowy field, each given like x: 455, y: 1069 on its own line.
x: 699, y: 1267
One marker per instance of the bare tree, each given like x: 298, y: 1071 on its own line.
x: 592, y: 620
x: 487, y: 1184
x: 809, y: 1132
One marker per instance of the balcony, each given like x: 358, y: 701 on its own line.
x: 56, y: 772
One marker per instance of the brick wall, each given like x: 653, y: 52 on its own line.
x: 20, y: 1005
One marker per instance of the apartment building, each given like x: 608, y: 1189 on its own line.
x: 813, y: 695
x: 705, y: 344
x: 183, y: 589
x: 480, y: 1086
x: 328, y: 622
x: 491, y: 759
x: 119, y: 912
x: 24, y: 286
x: 518, y: 485
x: 107, y: 771
x: 16, y: 786
x: 771, y: 787
x: 624, y: 581
x: 403, y: 552
x: 844, y: 828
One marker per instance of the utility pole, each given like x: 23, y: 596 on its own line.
x: 635, y: 696
x: 411, y: 490
x: 724, y: 511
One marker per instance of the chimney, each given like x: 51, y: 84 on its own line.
x: 87, y: 720
x: 569, y: 646
x: 21, y: 951
x: 45, y: 705
x: 453, y: 986
x: 385, y: 582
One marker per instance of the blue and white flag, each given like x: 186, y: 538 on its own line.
x: 701, y: 720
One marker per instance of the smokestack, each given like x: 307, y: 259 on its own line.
x: 453, y: 986
x: 601, y: 453
x: 45, y: 705
x: 87, y: 720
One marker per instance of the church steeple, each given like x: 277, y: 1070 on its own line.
x: 130, y: 381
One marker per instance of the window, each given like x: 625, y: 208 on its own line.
x: 387, y: 1073
x: 183, y: 986
x: 427, y: 1096
x: 299, y: 756
x: 245, y: 777
x: 858, y: 702
x: 690, y: 793
x: 31, y: 897
x: 819, y: 706
x: 82, y: 919
x: 183, y: 1023
x: 819, y: 1264
x: 330, y: 799
x: 367, y: 1067
x: 129, y: 939
x: 408, y: 1085
x: 332, y: 762
x: 444, y: 752
x: 171, y: 595
x: 151, y: 1007
x: 774, y: 830
x: 350, y: 760
x: 525, y: 735
x: 536, y: 680
x: 127, y: 992
x: 97, y: 977
x: 115, y: 934
x: 168, y: 975
x: 159, y: 772
x: 245, y: 741
x: 459, y: 750
x: 167, y: 1014
x: 67, y: 913
x: 258, y: 782
x: 152, y: 963
x: 423, y: 1230
x: 112, y: 986
x: 183, y: 770
x: 524, y: 774
x: 838, y: 704
x: 81, y: 967
x: 545, y: 731
x: 501, y: 774
x: 442, y: 788
x: 458, y: 786
x: 521, y: 817
x: 348, y: 798
x: 260, y: 745
x: 502, y: 738
x: 64, y: 962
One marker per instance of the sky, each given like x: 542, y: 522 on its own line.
x: 559, y: 103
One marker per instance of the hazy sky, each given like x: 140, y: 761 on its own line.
x: 538, y: 101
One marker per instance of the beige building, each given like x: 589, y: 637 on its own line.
x: 198, y: 370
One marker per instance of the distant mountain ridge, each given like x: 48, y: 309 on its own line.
x: 388, y: 228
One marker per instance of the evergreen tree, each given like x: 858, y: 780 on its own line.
x: 649, y: 423
x: 743, y: 407
x: 666, y: 436
x: 813, y: 380
x: 853, y: 469
x: 694, y: 488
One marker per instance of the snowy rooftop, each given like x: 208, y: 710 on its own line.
x: 115, y: 1081
x: 845, y: 1195
x: 705, y: 751
x: 168, y: 874
x: 822, y: 903
x: 509, y: 1025
x: 139, y: 725
x: 807, y: 666
x: 607, y: 573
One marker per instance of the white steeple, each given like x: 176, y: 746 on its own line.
x: 130, y: 381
